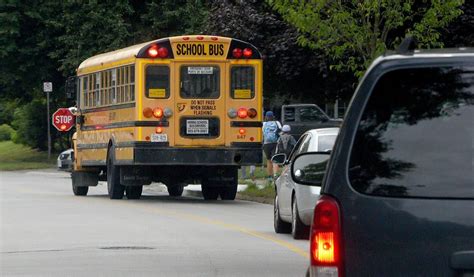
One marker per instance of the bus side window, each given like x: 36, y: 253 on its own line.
x: 84, y: 91
x: 242, y: 82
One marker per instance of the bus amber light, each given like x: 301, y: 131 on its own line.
x: 242, y: 113
x: 241, y: 131
x: 247, y: 53
x: 153, y: 51
x: 157, y: 112
x: 163, y: 52
x: 159, y: 130
x: 237, y: 53
x: 147, y: 112
x: 252, y: 113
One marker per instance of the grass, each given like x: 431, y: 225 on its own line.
x: 266, y: 194
x: 18, y: 157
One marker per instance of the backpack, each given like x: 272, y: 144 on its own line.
x: 270, y: 132
x: 285, y: 144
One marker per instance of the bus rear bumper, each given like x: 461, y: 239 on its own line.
x: 232, y: 156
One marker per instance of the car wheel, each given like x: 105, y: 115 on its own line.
x: 175, y: 190
x: 279, y: 225
x: 115, y: 189
x: 298, y: 229
x: 134, y: 192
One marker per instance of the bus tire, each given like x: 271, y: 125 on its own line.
x: 229, y: 188
x: 175, y: 190
x: 81, y: 182
x: 115, y: 189
x: 209, y: 193
x: 80, y: 191
x: 134, y: 192
x: 228, y: 192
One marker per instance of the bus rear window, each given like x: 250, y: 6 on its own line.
x: 242, y: 82
x: 199, y: 81
x: 415, y: 138
x: 157, y: 82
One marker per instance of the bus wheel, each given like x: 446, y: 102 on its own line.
x: 114, y: 187
x: 228, y: 192
x: 81, y: 182
x: 175, y: 190
x: 79, y: 191
x: 134, y: 192
x: 209, y: 193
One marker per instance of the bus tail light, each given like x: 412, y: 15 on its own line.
x: 241, y: 131
x: 252, y: 113
x: 325, y: 238
x: 153, y: 51
x: 242, y: 112
x: 157, y: 112
x: 159, y: 130
x: 147, y: 112
x: 237, y: 53
x: 247, y: 53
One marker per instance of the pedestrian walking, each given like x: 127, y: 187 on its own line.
x: 285, y: 142
x: 271, y: 129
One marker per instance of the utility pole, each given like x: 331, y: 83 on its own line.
x: 48, y: 87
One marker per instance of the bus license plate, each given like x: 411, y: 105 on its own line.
x: 159, y: 138
x: 197, y: 127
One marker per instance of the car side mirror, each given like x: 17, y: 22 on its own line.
x: 309, y: 168
x: 279, y: 158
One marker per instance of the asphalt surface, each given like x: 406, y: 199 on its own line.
x: 47, y: 231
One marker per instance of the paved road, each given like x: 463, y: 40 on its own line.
x: 46, y: 231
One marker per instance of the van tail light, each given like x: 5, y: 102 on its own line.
x: 325, y: 239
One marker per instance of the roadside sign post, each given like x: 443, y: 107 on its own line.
x: 48, y: 87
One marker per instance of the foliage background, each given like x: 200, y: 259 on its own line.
x: 46, y: 40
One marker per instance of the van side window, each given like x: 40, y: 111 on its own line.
x: 415, y: 137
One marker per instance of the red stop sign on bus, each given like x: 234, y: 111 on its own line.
x: 63, y: 119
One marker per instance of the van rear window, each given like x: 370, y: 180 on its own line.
x: 415, y: 138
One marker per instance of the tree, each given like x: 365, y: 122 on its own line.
x: 292, y: 73
x: 352, y: 33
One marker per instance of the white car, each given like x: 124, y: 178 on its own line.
x: 294, y: 203
x: 65, y: 160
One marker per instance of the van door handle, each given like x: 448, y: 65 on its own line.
x: 463, y: 260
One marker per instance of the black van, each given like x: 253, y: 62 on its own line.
x: 397, y: 197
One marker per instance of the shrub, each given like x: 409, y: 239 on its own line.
x: 6, y: 132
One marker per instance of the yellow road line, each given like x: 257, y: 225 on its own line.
x: 233, y: 227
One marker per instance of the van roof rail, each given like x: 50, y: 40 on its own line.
x: 407, y: 46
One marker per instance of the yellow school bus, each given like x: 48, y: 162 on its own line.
x: 177, y: 110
